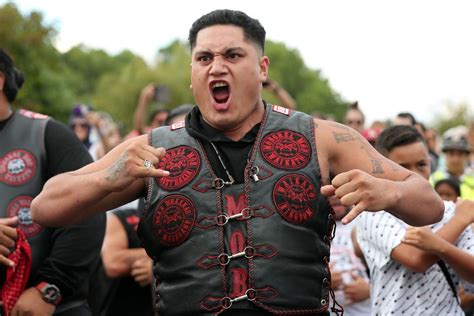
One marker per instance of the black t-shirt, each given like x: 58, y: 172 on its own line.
x: 233, y: 153
x: 75, y: 249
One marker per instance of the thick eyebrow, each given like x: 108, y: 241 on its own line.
x: 226, y: 52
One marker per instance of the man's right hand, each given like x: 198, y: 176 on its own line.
x: 8, y: 237
x: 130, y: 166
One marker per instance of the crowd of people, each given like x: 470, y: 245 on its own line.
x: 231, y: 206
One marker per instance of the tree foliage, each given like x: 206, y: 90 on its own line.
x: 56, y: 81
x: 453, y: 115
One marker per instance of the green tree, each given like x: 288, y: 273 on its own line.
x: 30, y: 43
x: 311, y: 91
x: 453, y: 115
x: 87, y: 66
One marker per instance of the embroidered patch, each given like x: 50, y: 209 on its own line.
x: 294, y: 197
x: 183, y: 163
x: 280, y: 109
x: 17, y: 167
x: 286, y: 150
x: 173, y: 219
x: 20, y: 207
x: 177, y: 125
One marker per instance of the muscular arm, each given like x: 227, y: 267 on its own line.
x: 112, y: 181
x: 369, y: 181
x: 117, y: 257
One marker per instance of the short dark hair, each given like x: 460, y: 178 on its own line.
x: 13, y: 77
x: 156, y: 112
x: 252, y: 28
x: 452, y: 182
x: 395, y: 136
x: 179, y: 110
x: 409, y: 116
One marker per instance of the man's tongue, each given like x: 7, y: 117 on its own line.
x: 221, y: 95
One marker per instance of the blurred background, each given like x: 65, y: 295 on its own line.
x: 390, y: 56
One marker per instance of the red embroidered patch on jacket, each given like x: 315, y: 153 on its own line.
x: 173, y: 219
x: 286, y: 150
x: 294, y: 197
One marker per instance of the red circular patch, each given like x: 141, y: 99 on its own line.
x: 17, y: 167
x: 183, y: 163
x: 286, y: 150
x: 174, y: 219
x: 20, y: 207
x: 294, y: 196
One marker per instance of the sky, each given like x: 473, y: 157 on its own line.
x: 391, y: 56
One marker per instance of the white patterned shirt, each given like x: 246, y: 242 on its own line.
x: 396, y: 290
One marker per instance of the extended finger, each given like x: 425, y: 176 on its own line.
x: 353, y: 213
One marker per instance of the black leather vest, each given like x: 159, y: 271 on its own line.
x: 22, y: 161
x: 263, y: 244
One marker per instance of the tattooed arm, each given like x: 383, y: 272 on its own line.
x: 369, y: 181
x: 112, y: 181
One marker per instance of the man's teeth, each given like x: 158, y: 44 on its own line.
x: 219, y: 84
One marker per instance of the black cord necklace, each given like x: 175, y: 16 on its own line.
x: 229, y: 176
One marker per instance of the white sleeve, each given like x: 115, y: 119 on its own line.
x: 466, y: 243
x: 378, y: 234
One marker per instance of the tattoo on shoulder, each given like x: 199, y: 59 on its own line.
x: 377, y: 166
x: 114, y: 171
x: 343, y: 137
x: 339, y: 126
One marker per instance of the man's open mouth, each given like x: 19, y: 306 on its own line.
x: 220, y: 91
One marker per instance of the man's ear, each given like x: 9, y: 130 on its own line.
x: 264, y: 66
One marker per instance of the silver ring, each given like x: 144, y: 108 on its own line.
x: 147, y: 164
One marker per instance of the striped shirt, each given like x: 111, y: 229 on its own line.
x: 396, y: 290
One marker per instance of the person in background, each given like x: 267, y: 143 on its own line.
x: 449, y: 190
x: 108, y: 133
x: 404, y: 279
x: 470, y: 139
x: 456, y: 150
x: 122, y: 284
x: 431, y: 138
x: 354, y: 117
x: 285, y: 98
x: 404, y: 118
x: 96, y: 130
x: 44, y: 271
x: 238, y: 220
x: 156, y: 119
x: 178, y: 114
x: 349, y: 277
x: 80, y: 125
